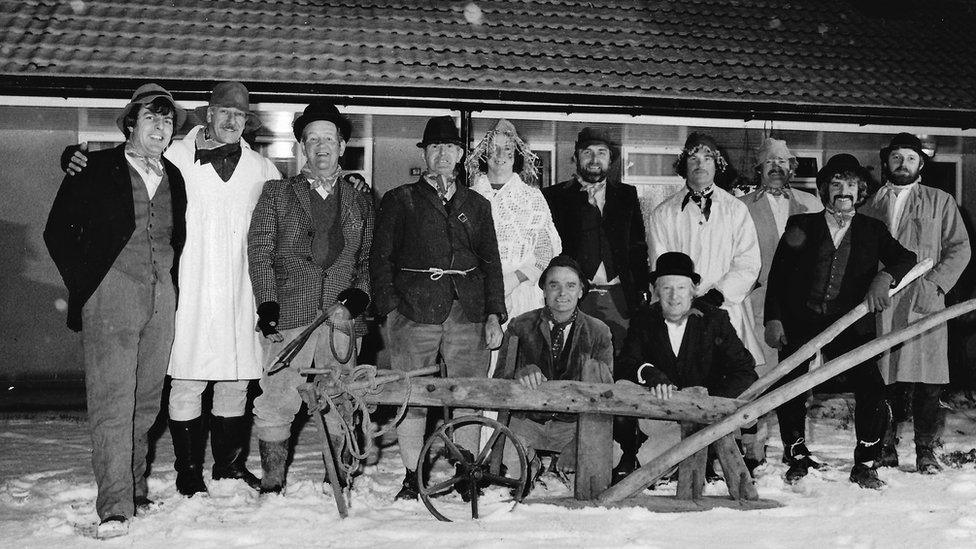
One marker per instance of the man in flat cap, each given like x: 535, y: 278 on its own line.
x: 925, y: 220
x: 601, y: 226
x: 437, y: 276
x: 115, y: 233
x: 216, y: 342
x: 308, y: 244
x: 770, y: 205
x: 825, y: 265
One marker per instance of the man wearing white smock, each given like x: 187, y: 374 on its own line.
x: 716, y: 231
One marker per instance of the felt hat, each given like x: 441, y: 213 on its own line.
x: 838, y: 164
x: 695, y: 139
x: 441, y: 129
x: 568, y: 262
x: 322, y: 110
x: 675, y: 263
x: 589, y: 136
x: 230, y: 94
x: 146, y: 94
x: 903, y: 140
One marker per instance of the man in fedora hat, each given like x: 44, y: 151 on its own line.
x: 215, y: 343
x: 308, y: 243
x: 437, y: 276
x: 555, y: 342
x: 115, y: 233
x: 601, y: 226
x: 925, y: 220
x: 770, y: 205
x: 825, y: 265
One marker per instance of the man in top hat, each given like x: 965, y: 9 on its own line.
x: 308, y: 244
x: 216, y: 342
x: 825, y: 265
x: 555, y: 342
x: 115, y: 233
x: 437, y: 276
x: 679, y: 342
x: 925, y: 220
x: 601, y: 226
x: 770, y: 205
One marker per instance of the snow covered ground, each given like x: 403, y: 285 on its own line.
x: 47, y: 500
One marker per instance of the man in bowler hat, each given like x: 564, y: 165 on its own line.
x: 437, y: 276
x: 115, y: 233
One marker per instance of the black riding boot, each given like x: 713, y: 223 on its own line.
x: 274, y: 454
x: 188, y: 445
x: 229, y: 438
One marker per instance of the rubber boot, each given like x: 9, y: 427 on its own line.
x: 273, y: 457
x: 229, y: 438
x: 188, y: 445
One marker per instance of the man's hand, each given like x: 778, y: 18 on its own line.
x: 268, y: 315
x: 775, y: 334
x: 78, y: 159
x: 530, y: 376
x: 662, y: 391
x: 877, y: 298
x: 493, y: 332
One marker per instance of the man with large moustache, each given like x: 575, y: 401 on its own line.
x: 825, y: 265
x: 437, y: 275
x: 925, y: 220
x: 215, y: 341
x: 115, y: 233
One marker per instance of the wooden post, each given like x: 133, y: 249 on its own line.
x: 594, y: 455
x: 652, y: 471
x: 691, y: 471
x: 737, y: 477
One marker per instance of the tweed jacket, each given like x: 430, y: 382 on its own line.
x: 623, y: 224
x: 279, y: 251
x: 590, y: 348
x: 791, y: 274
x: 414, y: 230
x: 710, y: 356
x: 932, y: 227
x: 92, y: 219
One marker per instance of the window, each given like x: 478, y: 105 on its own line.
x: 651, y: 170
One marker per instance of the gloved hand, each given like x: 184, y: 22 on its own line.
x: 775, y: 334
x: 74, y: 159
x: 712, y: 297
x: 877, y: 298
x: 268, y: 314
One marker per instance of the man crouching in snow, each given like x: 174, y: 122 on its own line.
x: 556, y: 342
x: 115, y: 233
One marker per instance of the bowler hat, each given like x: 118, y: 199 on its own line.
x: 675, y: 263
x: 589, y: 136
x: 568, y: 262
x: 146, y: 94
x: 441, y: 129
x: 838, y: 164
x: 903, y: 140
x: 321, y: 110
x: 230, y: 94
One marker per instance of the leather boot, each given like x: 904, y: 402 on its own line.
x: 188, y: 444
x: 229, y: 437
x: 409, y: 488
x: 273, y: 457
x: 889, y: 447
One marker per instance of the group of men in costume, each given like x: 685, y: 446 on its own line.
x: 256, y: 258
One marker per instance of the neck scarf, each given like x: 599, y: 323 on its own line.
x: 328, y: 181
x: 842, y: 218
x: 785, y: 190
x: 441, y: 184
x: 149, y: 163
x: 703, y: 198
x: 557, y: 333
x: 591, y: 190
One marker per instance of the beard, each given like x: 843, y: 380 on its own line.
x: 591, y: 173
x: 903, y: 176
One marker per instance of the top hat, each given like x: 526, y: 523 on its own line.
x: 563, y: 260
x: 903, y: 141
x: 772, y: 148
x: 230, y: 94
x: 675, y: 263
x: 589, y: 136
x: 146, y: 94
x: 321, y: 110
x: 838, y: 164
x: 441, y: 129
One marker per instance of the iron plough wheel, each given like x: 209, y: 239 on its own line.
x: 468, y: 467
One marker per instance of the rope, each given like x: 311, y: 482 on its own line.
x: 436, y: 273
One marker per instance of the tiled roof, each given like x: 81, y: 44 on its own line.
x: 765, y: 56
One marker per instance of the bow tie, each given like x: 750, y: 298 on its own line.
x: 775, y: 191
x: 703, y: 198
x: 149, y: 163
x: 210, y: 156
x: 842, y: 218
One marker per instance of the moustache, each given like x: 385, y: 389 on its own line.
x: 839, y: 196
x: 776, y: 171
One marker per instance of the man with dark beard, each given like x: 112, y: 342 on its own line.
x: 825, y: 264
x: 926, y: 221
x: 601, y: 227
